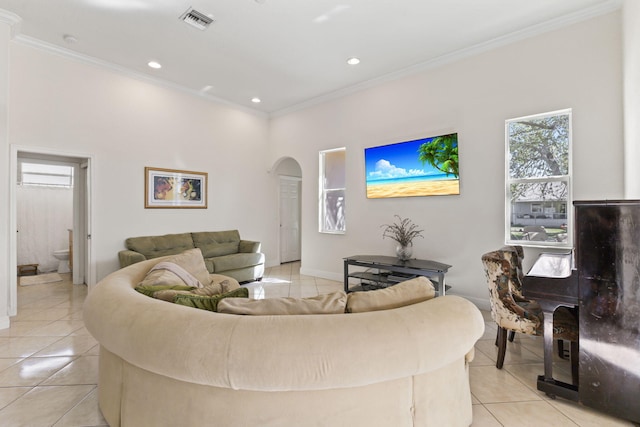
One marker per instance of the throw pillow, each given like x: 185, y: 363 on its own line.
x: 404, y: 293
x: 190, y: 261
x: 333, y: 303
x: 153, y: 290
x: 217, y: 287
x: 209, y: 302
x: 169, y: 295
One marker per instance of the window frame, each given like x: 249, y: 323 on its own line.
x: 323, y: 191
x: 21, y: 173
x: 567, y: 179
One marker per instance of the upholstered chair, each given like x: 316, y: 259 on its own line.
x: 513, y: 313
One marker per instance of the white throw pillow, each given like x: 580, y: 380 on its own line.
x: 190, y: 261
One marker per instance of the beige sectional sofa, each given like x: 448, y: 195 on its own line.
x: 164, y: 364
x: 224, y: 252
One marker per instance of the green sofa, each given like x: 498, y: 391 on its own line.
x: 223, y: 251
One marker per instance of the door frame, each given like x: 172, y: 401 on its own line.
x: 299, y: 180
x: 89, y: 261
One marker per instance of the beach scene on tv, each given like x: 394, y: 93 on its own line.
x: 423, y: 167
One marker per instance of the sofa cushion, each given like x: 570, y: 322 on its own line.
x: 210, y: 302
x: 217, y: 243
x: 404, y: 293
x: 190, y: 261
x: 333, y: 303
x: 236, y: 261
x: 157, y: 246
x: 249, y: 246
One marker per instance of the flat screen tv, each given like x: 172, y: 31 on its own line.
x: 422, y: 167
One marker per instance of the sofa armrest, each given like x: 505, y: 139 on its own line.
x: 128, y: 257
x: 248, y: 246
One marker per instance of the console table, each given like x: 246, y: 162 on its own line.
x: 391, y: 270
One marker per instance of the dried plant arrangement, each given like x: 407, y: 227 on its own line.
x: 402, y: 231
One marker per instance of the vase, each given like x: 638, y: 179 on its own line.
x: 404, y: 252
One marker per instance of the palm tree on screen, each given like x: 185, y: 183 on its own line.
x: 441, y: 153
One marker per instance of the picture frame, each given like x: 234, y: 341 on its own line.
x: 420, y: 167
x: 175, y: 189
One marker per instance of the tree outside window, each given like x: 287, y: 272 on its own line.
x: 539, y: 180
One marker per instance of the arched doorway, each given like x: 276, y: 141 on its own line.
x: 289, y: 176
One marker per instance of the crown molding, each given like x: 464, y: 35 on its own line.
x: 525, y: 33
x: 551, y: 25
x: 127, y: 72
x: 9, y: 17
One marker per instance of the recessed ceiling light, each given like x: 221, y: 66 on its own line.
x: 353, y: 61
x: 256, y: 100
x: 154, y: 64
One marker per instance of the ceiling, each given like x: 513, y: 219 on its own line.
x: 289, y: 53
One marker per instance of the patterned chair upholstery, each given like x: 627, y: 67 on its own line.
x: 512, y: 312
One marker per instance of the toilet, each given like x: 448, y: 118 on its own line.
x: 63, y: 257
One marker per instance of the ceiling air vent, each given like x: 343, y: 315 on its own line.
x: 196, y: 19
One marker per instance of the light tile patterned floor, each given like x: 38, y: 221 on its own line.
x: 48, y: 363
x: 48, y: 360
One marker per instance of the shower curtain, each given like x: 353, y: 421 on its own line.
x: 44, y: 216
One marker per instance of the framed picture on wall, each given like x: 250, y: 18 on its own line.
x: 170, y: 188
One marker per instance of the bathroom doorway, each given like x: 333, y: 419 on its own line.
x: 78, y: 241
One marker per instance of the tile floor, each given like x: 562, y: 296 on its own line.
x: 48, y: 363
x: 48, y: 360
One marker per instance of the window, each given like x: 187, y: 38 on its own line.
x: 538, y: 184
x: 45, y: 174
x: 332, y: 191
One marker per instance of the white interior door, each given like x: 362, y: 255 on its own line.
x: 289, y: 219
x: 82, y: 232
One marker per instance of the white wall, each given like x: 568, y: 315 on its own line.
x: 127, y: 124
x: 631, y: 44
x: 577, y: 67
x: 5, y: 268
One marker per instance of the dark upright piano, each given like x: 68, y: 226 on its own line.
x: 553, y: 282
x: 605, y: 284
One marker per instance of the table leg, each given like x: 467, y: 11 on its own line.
x: 346, y: 276
x: 545, y: 382
x: 548, y: 345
